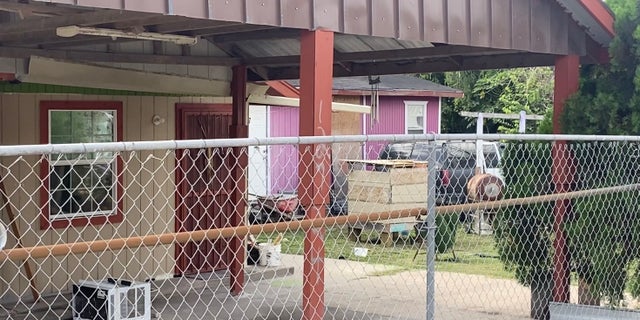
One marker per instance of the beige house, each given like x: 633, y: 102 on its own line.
x: 138, y: 199
x: 197, y: 48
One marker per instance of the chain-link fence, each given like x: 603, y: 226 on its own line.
x: 432, y: 226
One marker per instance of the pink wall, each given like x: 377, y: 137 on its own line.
x: 283, y: 159
x: 391, y: 120
x: 285, y: 123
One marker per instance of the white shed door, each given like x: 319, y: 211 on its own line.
x: 258, y: 156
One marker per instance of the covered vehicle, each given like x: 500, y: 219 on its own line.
x: 455, y: 162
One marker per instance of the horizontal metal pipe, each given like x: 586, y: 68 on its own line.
x: 242, y: 231
x: 199, y: 235
x: 37, y: 149
x: 535, y: 199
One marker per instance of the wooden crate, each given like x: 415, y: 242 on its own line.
x: 402, y: 184
x: 398, y: 184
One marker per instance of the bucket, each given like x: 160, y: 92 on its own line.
x: 270, y: 255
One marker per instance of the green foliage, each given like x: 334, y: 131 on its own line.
x: 523, y: 234
x: 603, y: 236
x: 498, y: 91
x: 445, y: 237
x: 608, y: 101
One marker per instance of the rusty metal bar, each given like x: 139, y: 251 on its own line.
x: 225, y: 233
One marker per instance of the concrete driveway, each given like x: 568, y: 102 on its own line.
x: 353, y: 290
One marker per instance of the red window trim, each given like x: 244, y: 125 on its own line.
x: 45, y: 106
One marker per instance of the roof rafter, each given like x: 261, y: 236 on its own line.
x: 513, y: 60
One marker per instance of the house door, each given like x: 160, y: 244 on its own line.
x: 258, y: 128
x: 202, y: 186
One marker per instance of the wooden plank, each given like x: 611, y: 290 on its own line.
x: 435, y: 21
x: 300, y: 17
x: 357, y: 207
x: 370, y: 177
x: 396, y: 176
x: 148, y: 192
x: 577, y: 39
x: 169, y: 188
x: 132, y: 120
x: 51, y: 273
x: 163, y: 203
x: 541, y: 26
x: 481, y: 20
x: 356, y: 13
x: 399, y: 176
x: 520, y: 24
x: 409, y: 193
x: 501, y: 24
x: 262, y: 12
x: 383, y: 22
x: 390, y: 163
x: 459, y: 27
x: 326, y: 13
x: 27, y: 207
x: 388, y: 229
x: 373, y: 194
x: 410, y: 22
x: 560, y: 28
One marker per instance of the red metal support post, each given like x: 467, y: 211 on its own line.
x: 563, y: 171
x: 314, y: 169
x: 238, y: 129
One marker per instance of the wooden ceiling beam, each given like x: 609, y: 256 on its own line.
x: 417, y: 53
x: 186, y: 24
x: 95, y: 56
x: 268, y: 34
x: 431, y: 65
x: 208, y: 32
x: 385, y: 55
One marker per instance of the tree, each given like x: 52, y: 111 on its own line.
x: 499, y: 91
x: 523, y: 233
x: 603, y: 236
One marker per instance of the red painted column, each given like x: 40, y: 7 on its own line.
x: 316, y: 77
x: 238, y: 129
x: 566, y: 84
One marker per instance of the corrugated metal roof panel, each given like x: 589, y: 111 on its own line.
x: 270, y: 48
x: 581, y: 14
x: 349, y: 43
x: 352, y: 43
x: 387, y: 83
x: 383, y: 17
x: 381, y: 43
x: 414, y: 44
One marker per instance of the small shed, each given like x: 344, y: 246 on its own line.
x: 405, y: 104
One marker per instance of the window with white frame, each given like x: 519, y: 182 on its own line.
x: 81, y: 185
x: 415, y: 117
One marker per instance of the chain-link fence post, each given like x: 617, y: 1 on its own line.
x: 431, y: 231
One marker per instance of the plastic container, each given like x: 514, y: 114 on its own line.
x: 270, y: 255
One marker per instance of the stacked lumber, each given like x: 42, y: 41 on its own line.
x: 393, y: 185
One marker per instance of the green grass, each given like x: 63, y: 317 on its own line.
x: 475, y: 254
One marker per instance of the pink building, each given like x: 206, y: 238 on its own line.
x: 407, y: 105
